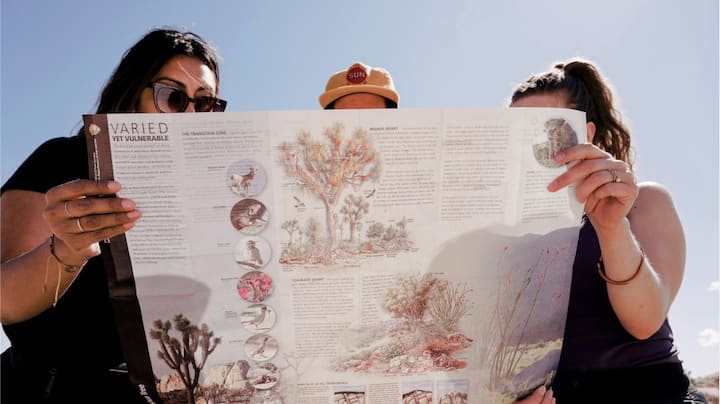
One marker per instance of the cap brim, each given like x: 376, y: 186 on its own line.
x: 332, y: 95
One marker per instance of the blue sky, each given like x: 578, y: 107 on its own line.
x: 661, y: 56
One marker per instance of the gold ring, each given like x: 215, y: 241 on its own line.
x: 77, y: 221
x: 67, y: 211
x: 615, y: 178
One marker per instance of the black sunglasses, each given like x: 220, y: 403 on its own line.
x: 171, y: 99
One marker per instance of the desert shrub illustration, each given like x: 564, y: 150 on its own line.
x: 180, y: 354
x: 514, y: 350
x: 413, y: 341
x: 375, y: 232
x: 448, y: 304
x: 408, y: 298
x: 325, y: 168
x: 394, y: 237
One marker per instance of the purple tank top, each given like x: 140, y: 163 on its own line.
x: 594, y: 338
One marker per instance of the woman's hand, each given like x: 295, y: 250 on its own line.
x: 605, y: 185
x: 541, y: 395
x: 83, y: 212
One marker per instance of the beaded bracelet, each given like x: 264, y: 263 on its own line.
x: 66, y: 267
x: 601, y: 271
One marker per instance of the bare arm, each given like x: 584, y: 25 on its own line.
x: 628, y: 217
x: 29, y: 273
x: 642, y: 305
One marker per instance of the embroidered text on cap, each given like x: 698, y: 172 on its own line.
x: 356, y: 74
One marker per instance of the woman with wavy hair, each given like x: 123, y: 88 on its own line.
x: 618, y: 345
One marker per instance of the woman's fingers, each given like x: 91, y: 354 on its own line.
x: 83, y: 197
x: 594, y: 172
x: 615, y: 182
x: 583, y: 151
x: 83, y: 212
x: 81, y: 188
x: 92, y: 206
x: 94, y: 223
x: 78, y: 241
x: 88, y: 200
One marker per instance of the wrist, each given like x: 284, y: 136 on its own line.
x: 69, y: 264
x: 619, y: 231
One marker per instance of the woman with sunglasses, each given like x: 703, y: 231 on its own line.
x: 55, y: 307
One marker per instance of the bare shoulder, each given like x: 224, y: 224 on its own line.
x: 653, y: 195
x: 653, y: 198
x: 653, y: 189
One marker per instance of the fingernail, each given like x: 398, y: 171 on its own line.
x: 127, y: 204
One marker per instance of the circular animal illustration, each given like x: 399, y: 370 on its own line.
x: 249, y: 216
x: 264, y: 376
x: 560, y: 136
x: 260, y: 347
x: 258, y: 317
x: 252, y: 252
x: 255, y: 286
x: 246, y: 178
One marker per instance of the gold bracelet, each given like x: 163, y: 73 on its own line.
x: 601, y: 271
x: 66, y: 267
x: 57, y: 285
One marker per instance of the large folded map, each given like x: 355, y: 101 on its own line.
x: 367, y: 256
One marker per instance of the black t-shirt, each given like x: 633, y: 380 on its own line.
x: 79, y: 333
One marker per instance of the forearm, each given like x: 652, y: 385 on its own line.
x: 30, y: 284
x: 641, y: 304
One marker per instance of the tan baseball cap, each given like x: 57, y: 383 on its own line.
x: 359, y: 78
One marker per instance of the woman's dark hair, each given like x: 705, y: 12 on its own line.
x: 586, y: 90
x: 141, y: 63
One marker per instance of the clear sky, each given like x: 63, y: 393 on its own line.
x: 661, y: 56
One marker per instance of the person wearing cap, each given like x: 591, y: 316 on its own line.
x: 360, y: 87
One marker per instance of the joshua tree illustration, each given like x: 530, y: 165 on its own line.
x: 355, y: 206
x: 325, y: 168
x: 179, y: 354
x: 290, y: 226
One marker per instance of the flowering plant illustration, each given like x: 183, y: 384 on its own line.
x: 414, y: 341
